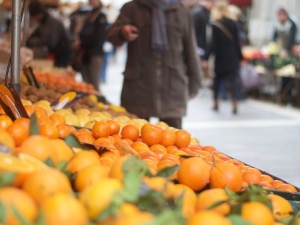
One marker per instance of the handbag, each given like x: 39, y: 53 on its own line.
x: 77, y: 61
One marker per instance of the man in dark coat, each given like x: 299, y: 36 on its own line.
x: 201, y: 17
x: 50, y: 37
x: 162, y: 70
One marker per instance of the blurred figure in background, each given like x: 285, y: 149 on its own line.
x: 201, y: 17
x: 285, y: 33
x: 162, y: 70
x: 50, y: 37
x: 91, y: 40
x: 226, y: 49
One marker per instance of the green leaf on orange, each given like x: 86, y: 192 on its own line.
x: 2, y: 213
x: 34, y: 126
x: 238, y: 220
x: 73, y: 142
x: 7, y: 179
x: 20, y: 217
x: 167, y: 172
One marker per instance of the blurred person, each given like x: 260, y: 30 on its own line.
x: 201, y: 17
x: 162, y: 70
x: 227, y: 51
x: 285, y: 33
x: 50, y: 37
x: 91, y: 40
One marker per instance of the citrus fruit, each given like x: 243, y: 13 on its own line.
x: 183, y: 138
x: 101, y: 129
x: 83, y: 159
x: 42, y: 184
x: 194, y: 172
x: 64, y: 209
x: 257, y: 213
x: 211, y: 196
x: 5, y: 121
x: 280, y: 206
x: 12, y: 197
x: 130, y: 132
x: 90, y: 175
x: 208, y: 218
x: 226, y: 175
x: 97, y: 197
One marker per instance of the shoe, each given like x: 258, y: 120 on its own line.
x: 215, y: 108
x: 234, y: 111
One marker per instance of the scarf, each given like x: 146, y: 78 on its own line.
x: 159, y: 39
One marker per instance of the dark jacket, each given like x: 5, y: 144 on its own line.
x: 227, y: 52
x: 201, y: 21
x: 92, y: 35
x: 288, y: 35
x: 52, y: 34
x: 158, y: 84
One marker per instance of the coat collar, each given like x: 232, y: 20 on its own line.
x: 173, y: 6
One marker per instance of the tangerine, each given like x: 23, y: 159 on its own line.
x: 83, y: 159
x: 114, y: 127
x: 18, y: 132
x: 208, y: 217
x: 183, y: 138
x: 151, y: 134
x: 194, y: 172
x: 226, y: 175
x: 281, y: 207
x: 101, y: 129
x: 257, y: 213
x: 168, y: 138
x: 49, y: 130
x: 57, y: 119
x: 5, y: 121
x: 252, y: 176
x: 131, y: 132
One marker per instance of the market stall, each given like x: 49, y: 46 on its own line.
x: 73, y: 158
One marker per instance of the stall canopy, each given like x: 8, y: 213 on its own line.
x: 241, y: 3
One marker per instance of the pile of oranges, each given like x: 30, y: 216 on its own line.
x: 45, y: 172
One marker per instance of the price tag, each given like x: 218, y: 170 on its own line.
x: 66, y: 101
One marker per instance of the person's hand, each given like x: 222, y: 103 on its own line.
x: 192, y: 95
x: 130, y: 32
x: 205, y: 64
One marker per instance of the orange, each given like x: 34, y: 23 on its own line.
x: 83, y: 159
x: 151, y: 134
x: 85, y: 137
x: 138, y: 218
x: 257, y: 213
x: 43, y: 120
x: 89, y: 175
x: 280, y: 206
x: 209, y: 197
x: 275, y: 183
x: 226, y: 175
x: 63, y: 131
x: 40, y: 185
x: 18, y: 132
x: 130, y: 132
x: 11, y: 198
x: 140, y: 147
x: 116, y: 170
x: 168, y: 138
x: 25, y: 122
x: 64, y: 209
x: 6, y: 139
x: 30, y: 109
x: 61, y: 151
x: 5, y: 121
x: 49, y: 130
x: 183, y: 138
x: 159, y: 150
x: 40, y: 112
x: 189, y: 198
x: 265, y: 177
x: 194, y: 172
x: 114, y: 126
x: 97, y: 197
x: 287, y: 187
x: 252, y: 176
x: 38, y: 146
x: 101, y: 129
x: 57, y: 119
x: 208, y: 218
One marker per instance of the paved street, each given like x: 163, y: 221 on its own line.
x: 262, y: 135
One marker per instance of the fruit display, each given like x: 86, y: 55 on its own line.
x: 126, y: 171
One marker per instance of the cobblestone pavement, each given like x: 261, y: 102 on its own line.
x: 262, y: 134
